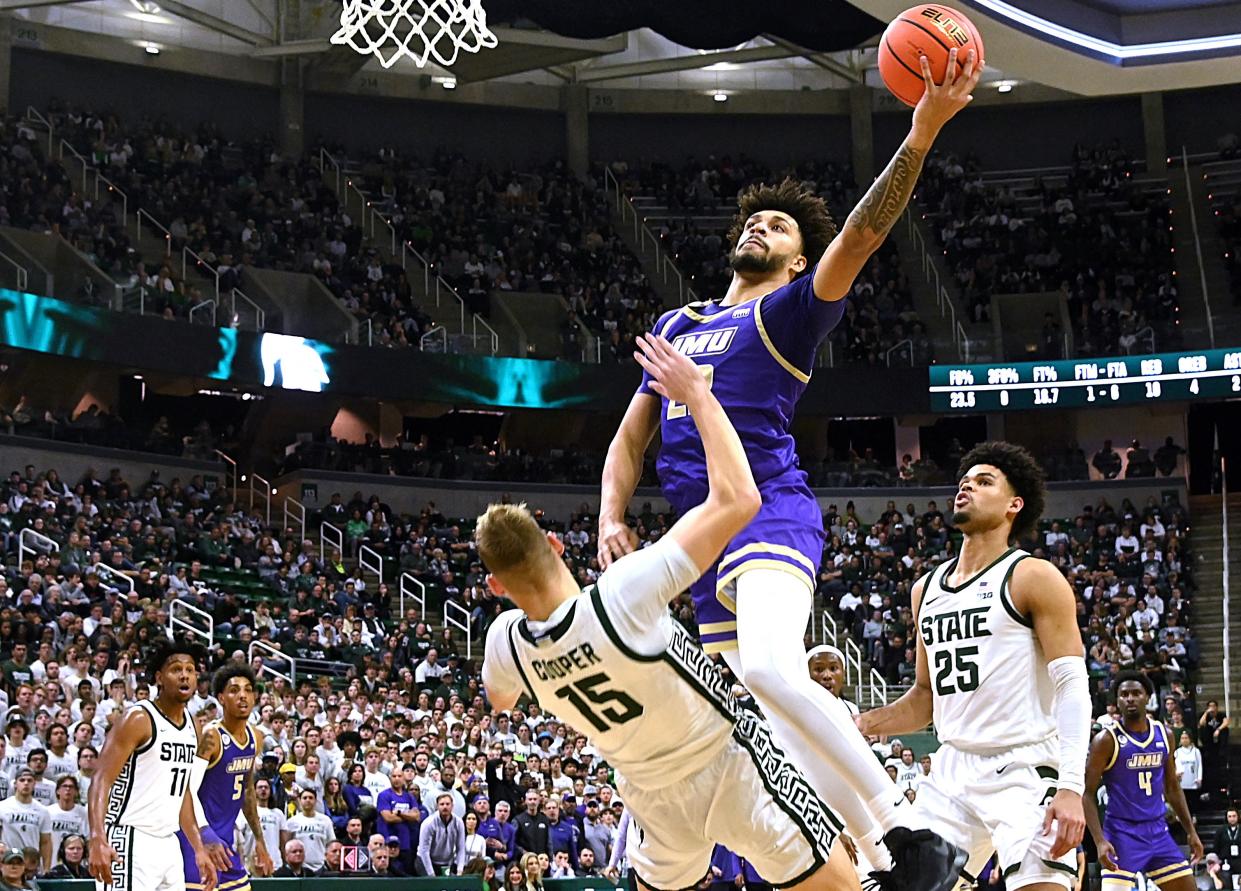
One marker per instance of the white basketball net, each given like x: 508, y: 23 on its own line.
x: 420, y: 29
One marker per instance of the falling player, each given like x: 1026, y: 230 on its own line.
x: 226, y: 761
x: 756, y: 346
x: 693, y: 768
x: 1000, y: 667
x: 1131, y: 760
x: 140, y: 791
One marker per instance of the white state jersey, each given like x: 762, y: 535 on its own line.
x: 148, y: 793
x: 655, y: 718
x: 988, y: 673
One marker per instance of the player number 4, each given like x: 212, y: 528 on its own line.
x: 1144, y: 780
x: 679, y: 410
x: 578, y: 693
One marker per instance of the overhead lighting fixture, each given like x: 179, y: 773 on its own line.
x: 152, y: 49
x: 1004, y: 86
x: 1027, y: 21
x: 147, y: 6
x: 720, y: 96
x: 448, y: 83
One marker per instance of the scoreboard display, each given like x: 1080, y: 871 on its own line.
x: 1121, y: 380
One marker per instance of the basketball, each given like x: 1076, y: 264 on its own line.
x: 928, y: 30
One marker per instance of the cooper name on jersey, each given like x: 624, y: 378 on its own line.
x: 965, y: 624
x: 705, y: 343
x: 580, y: 657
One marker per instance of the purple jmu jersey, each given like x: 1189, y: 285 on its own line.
x: 759, y: 355
x: 225, y: 781
x: 1134, y: 779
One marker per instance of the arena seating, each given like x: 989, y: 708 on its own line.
x: 691, y: 207
x: 1096, y: 230
x: 1223, y: 180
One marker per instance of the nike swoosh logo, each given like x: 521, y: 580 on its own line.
x: 1004, y: 768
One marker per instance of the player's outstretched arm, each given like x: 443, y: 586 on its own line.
x: 914, y: 709
x: 1102, y: 751
x: 134, y: 730
x: 1042, y: 593
x: 1175, y: 796
x: 621, y: 471
x: 732, y: 496
x: 884, y: 202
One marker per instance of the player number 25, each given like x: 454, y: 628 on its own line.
x: 677, y: 409
x: 966, y: 671
x: 577, y: 694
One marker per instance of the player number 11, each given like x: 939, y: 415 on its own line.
x: 679, y: 410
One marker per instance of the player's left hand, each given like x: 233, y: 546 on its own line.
x: 221, y: 855
x: 940, y: 103
x: 206, y: 868
x: 1066, y: 812
x: 1195, y: 848
x: 262, y: 861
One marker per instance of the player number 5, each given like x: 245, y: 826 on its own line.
x: 679, y: 410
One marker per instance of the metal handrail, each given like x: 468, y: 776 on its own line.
x: 174, y: 621
x: 156, y: 223
x: 642, y: 233
x: 141, y: 292
x: 260, y: 317
x: 186, y: 253
x: 943, y: 300
x: 419, y: 596
x: 878, y: 689
x: 370, y: 332
x: 324, y: 539
x: 853, y: 663
x: 1202, y: 269
x: 451, y: 607
x: 291, y: 503
x: 23, y: 274
x: 290, y: 678
x: 228, y: 460
x: 32, y: 112
x: 887, y: 356
x: 113, y: 187
x: 49, y: 544
x: 325, y: 155
x: 495, y: 338
x: 199, y: 306
x: 365, y: 553
x: 442, y: 333
x: 828, y: 632
x: 103, y: 569
x: 86, y: 165
x: 267, y: 493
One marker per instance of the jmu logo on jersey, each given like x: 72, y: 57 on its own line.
x: 240, y: 765
x: 1145, y: 760
x: 705, y: 343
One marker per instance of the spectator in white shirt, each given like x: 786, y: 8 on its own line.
x: 429, y: 668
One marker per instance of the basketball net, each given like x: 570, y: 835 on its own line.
x: 420, y: 29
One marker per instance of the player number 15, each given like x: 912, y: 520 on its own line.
x: 679, y: 410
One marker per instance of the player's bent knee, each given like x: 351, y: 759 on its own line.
x: 838, y: 874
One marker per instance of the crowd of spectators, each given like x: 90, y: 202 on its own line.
x: 700, y: 193
x: 384, y: 752
x: 1096, y: 234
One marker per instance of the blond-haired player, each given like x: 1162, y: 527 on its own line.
x: 693, y: 768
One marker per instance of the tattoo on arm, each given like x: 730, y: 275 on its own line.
x: 884, y: 202
x: 250, y: 807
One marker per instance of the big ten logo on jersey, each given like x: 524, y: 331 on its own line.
x: 705, y: 343
x: 176, y: 752
x: 946, y: 23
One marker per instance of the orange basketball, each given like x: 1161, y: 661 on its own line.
x: 928, y: 30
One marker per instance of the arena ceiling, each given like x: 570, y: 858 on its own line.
x: 1087, y: 47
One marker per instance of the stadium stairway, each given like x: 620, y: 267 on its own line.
x: 648, y: 248
x: 469, y: 332
x: 939, y: 325
x: 1209, y: 599
x: 1216, y: 184
x: 1190, y: 279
